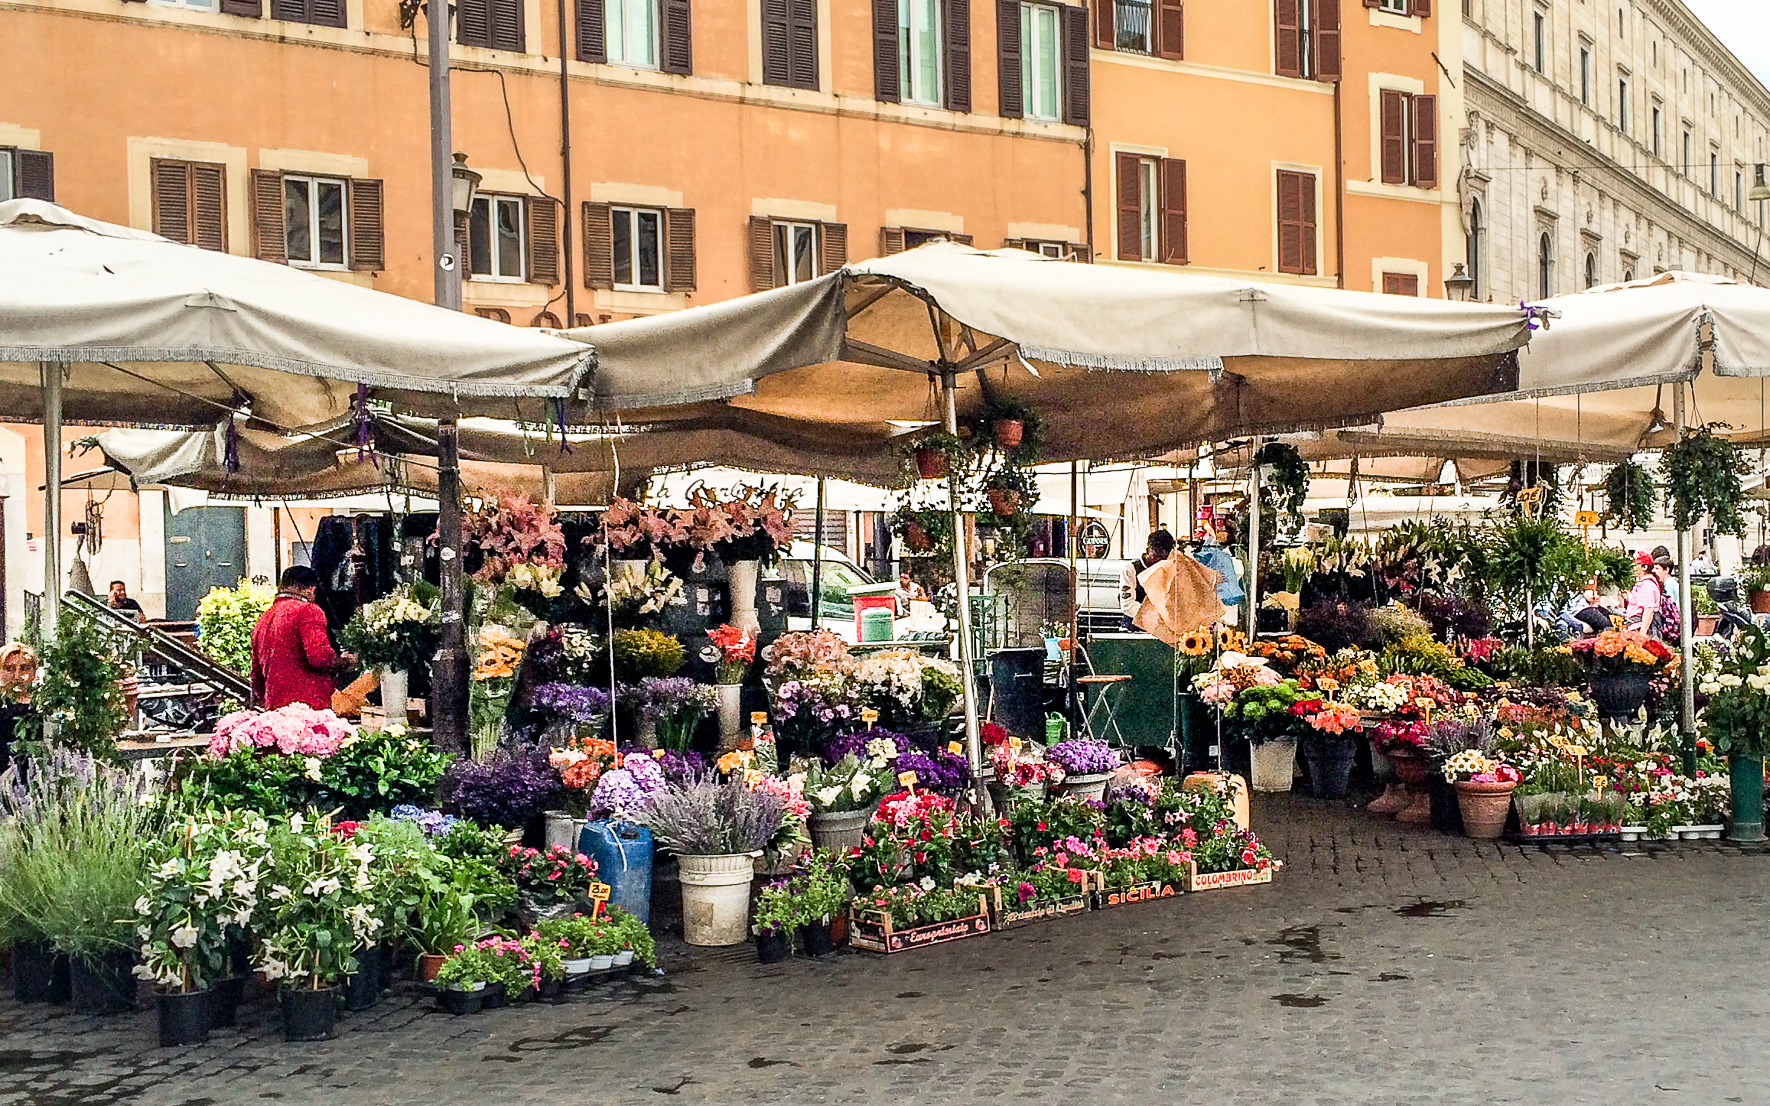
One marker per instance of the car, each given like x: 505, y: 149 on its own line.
x: 836, y: 576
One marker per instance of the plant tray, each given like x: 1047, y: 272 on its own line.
x: 1138, y: 892
x: 1037, y: 911
x: 872, y: 930
x: 1217, y: 881
x: 1517, y: 837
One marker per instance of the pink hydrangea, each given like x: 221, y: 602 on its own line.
x: 294, y: 730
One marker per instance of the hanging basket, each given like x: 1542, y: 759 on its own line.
x: 916, y: 539
x: 931, y: 464
x: 1004, y: 501
x: 1009, y: 432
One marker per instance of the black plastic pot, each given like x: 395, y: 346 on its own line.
x: 1447, y: 813
x: 1330, y: 762
x: 549, y: 989
x: 494, y: 996
x: 39, y: 973
x: 773, y: 947
x: 363, y: 988
x: 309, y: 1014
x: 815, y: 939
x: 461, y: 1002
x: 184, y: 1017
x: 1620, y: 694
x: 224, y: 1001
x: 103, y: 984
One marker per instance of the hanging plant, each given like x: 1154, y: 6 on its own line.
x: 1014, y: 427
x: 1283, y: 477
x: 925, y: 531
x: 1535, y: 474
x: 1010, y: 490
x: 1628, y: 496
x: 933, y: 456
x: 1702, y: 477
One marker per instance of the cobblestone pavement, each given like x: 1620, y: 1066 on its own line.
x: 1385, y: 965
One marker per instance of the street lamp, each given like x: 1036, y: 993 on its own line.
x: 1759, y: 193
x: 464, y: 183
x: 1459, y: 285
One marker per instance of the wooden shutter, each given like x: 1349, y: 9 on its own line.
x: 1173, y: 181
x: 1075, y: 65
x: 1170, y: 29
x: 679, y: 249
x: 1010, y: 104
x: 473, y: 22
x: 956, y: 50
x: 887, y: 80
x: 1422, y: 8
x: 250, y: 8
x: 1425, y: 151
x: 802, y: 44
x: 890, y: 241
x: 762, y: 276
x: 1078, y: 251
x: 543, y: 237
x: 1325, y: 18
x: 326, y: 13
x: 1394, y: 137
x: 1373, y: 3
x: 208, y: 206
x: 832, y: 247
x: 506, y: 20
x: 777, y: 39
x: 599, y: 246
x: 289, y: 11
x: 270, y: 232
x: 1130, y: 202
x: 1014, y: 244
x: 1289, y: 17
x: 463, y: 248
x: 1290, y: 222
x: 1105, y: 24
x: 33, y: 175
x: 172, y: 199
x: 1401, y: 284
x: 678, y: 37
x: 592, y: 31
x: 368, y: 227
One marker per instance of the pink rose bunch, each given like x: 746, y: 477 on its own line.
x: 294, y: 730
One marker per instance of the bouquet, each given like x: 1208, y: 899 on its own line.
x: 399, y: 631
x: 494, y: 677
x: 1617, y: 651
x: 737, y: 648
x: 1329, y: 718
x: 635, y: 532
x: 1083, y: 757
x: 294, y: 730
x: 632, y: 599
x: 509, y: 531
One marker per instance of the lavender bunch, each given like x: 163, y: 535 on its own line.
x: 508, y: 788
x: 704, y: 817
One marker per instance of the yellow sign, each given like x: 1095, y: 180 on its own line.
x: 1530, y: 500
x: 598, y: 896
x: 955, y: 748
x: 1014, y: 744
x: 908, y: 779
x: 1585, y: 518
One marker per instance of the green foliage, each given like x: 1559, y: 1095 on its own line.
x: 318, y: 910
x: 463, y: 969
x: 1628, y: 495
x: 633, y: 935
x: 1737, y: 717
x: 1530, y: 558
x: 1545, y: 666
x: 1001, y: 408
x: 225, y: 618
x: 1702, y: 477
x: 79, y: 698
x: 401, y: 630
x: 777, y: 910
x: 444, y: 920
x: 368, y: 775
x: 1286, y: 480
x: 642, y: 653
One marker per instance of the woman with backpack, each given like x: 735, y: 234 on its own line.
x: 1644, y: 599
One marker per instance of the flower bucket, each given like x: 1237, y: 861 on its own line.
x: 393, y: 694
x: 842, y: 831
x: 184, y: 1017
x: 1485, y: 806
x: 362, y: 989
x: 309, y: 1014
x: 816, y: 938
x: 622, y: 958
x: 428, y: 965
x: 39, y: 973
x: 103, y: 984
x: 731, y: 715
x: 224, y: 1000
x: 470, y: 1000
x: 916, y: 538
x: 774, y: 946
x: 1009, y: 432
x: 602, y: 961
x: 1090, y: 786
x: 631, y: 569
x: 1274, y: 764
x: 1620, y: 694
x: 716, y: 898
x: 741, y: 575
x: 1330, y: 765
x: 562, y: 829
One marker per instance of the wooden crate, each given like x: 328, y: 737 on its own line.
x: 1217, y: 881
x: 1018, y: 914
x: 1138, y: 892
x: 872, y: 930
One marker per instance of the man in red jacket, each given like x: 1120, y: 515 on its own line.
x: 292, y: 659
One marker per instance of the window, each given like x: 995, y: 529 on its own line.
x: 1585, y: 75
x: 1041, y: 62
x: 1151, y: 208
x: 631, y: 248
x: 631, y: 34
x: 898, y: 239
x: 1132, y: 32
x: 1296, y: 222
x: 1539, y: 27
x: 1545, y: 266
x: 26, y: 174
x: 490, y: 24
x: 1591, y: 269
x: 791, y: 251
x: 199, y: 5
x: 922, y: 52
x: 1308, y: 39
x: 1398, y: 7
x: 313, y: 221
x: 320, y: 13
x: 789, y: 43
x: 1622, y: 104
x: 645, y: 34
x: 1474, y: 244
x: 190, y: 202
x: 919, y: 50
x: 1714, y: 174
x: 638, y: 248
x: 1738, y: 190
x: 494, y: 238
x: 1659, y: 149
x: 1689, y: 156
x: 1401, y: 284
x: 1628, y: 275
x: 1062, y: 251
x: 1409, y: 139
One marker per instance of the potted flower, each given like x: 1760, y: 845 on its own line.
x: 577, y: 937
x: 1401, y: 741
x: 463, y: 979
x: 1087, y: 764
x: 576, y: 711
x: 823, y: 890
x: 777, y: 914
x: 843, y: 795
x: 548, y: 960
x: 1008, y: 489
x: 445, y: 921
x: 398, y: 634
x: 737, y: 649
x: 1484, y: 791
x: 511, y: 975
x: 1623, y: 663
x: 1737, y: 720
x: 1262, y: 713
x: 923, y: 530
x: 759, y: 525
x: 549, y: 882
x: 1021, y: 773
x: 1754, y: 580
x: 494, y: 678
x: 636, y: 535
x: 1328, y: 747
x: 1009, y: 420
x: 716, y: 829
x: 636, y: 944
x: 509, y: 787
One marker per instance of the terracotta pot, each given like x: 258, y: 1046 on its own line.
x: 1485, y: 806
x: 916, y: 538
x: 428, y: 966
x: 1004, y: 501
x: 1009, y: 432
x: 1760, y: 600
x: 1414, y: 772
x: 931, y: 464
x: 1705, y: 624
x: 1393, y: 800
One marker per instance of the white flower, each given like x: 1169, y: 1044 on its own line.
x: 279, y: 893
x: 143, y: 906
x: 273, y: 968
x: 1729, y: 680
x: 311, y: 768
x: 243, y: 916
x: 169, y: 869
x: 297, y: 823
x: 927, y: 883
x: 184, y: 937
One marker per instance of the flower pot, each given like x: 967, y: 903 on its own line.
x: 184, y: 1017
x: 1620, y: 694
x: 816, y: 939
x: 716, y: 898
x: 1705, y: 624
x: 931, y: 464
x: 1760, y: 600
x: 393, y: 694
x: 623, y: 958
x: 602, y: 962
x: 916, y: 538
x: 1274, y: 764
x: 731, y: 715
x: 1090, y: 786
x: 1330, y: 765
x: 224, y: 1001
x: 1416, y: 774
x: 469, y: 1001
x: 1484, y: 806
x: 1746, y: 822
x: 562, y: 829
x: 1447, y: 812
x: 1629, y: 833
x: 1008, y: 432
x: 39, y: 973
x: 362, y: 988
x: 548, y: 989
x: 494, y: 996
x: 629, y: 568
x: 103, y: 984
x: 309, y: 1013
x: 428, y: 965
x: 742, y: 577
x: 579, y: 966
x: 842, y: 831
x: 1003, y: 501
x: 773, y: 947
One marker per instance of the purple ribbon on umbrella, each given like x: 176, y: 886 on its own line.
x: 365, y: 438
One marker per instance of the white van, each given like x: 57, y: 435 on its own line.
x: 836, y: 576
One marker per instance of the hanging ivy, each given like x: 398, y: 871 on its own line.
x: 1702, y: 478
x: 1628, y: 495
x: 1285, y: 479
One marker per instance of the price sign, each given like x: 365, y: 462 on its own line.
x: 598, y: 896
x: 1014, y: 744
x: 908, y: 780
x: 1585, y: 518
x: 955, y: 748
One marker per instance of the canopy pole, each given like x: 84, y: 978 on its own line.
x: 1253, y: 588
x: 949, y: 391
x: 1686, y: 670
x: 817, y: 561
x: 448, y: 672
x: 52, y: 579
x: 445, y: 265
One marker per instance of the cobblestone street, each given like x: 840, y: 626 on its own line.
x: 1385, y: 965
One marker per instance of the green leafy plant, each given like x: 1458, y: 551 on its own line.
x: 199, y: 885
x: 632, y: 934
x: 79, y: 698
x: 577, y: 936
x: 319, y: 908
x: 1737, y: 717
x: 546, y: 956
x: 1000, y: 408
x: 777, y: 909
x: 925, y: 531
x: 642, y: 653
x: 1702, y: 477
x: 1528, y: 558
x: 1628, y: 496
x: 225, y: 618
x: 1284, y: 477
x: 444, y: 920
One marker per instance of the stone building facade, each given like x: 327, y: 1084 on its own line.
x: 1605, y: 140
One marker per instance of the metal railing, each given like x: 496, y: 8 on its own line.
x: 159, y: 647
x: 1132, y: 32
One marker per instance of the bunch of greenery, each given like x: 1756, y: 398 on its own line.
x: 369, y: 775
x: 1702, y: 477
x: 200, y: 884
x: 642, y: 653
x: 474, y: 870
x: 1737, y: 717
x: 225, y: 618
x: 78, y: 702
x: 1285, y: 478
x: 1628, y: 496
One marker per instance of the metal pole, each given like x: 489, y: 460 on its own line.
x: 949, y: 390
x: 1686, y: 670
x: 448, y: 672
x: 442, y: 178
x: 1253, y: 573
x: 52, y: 578
x: 817, y: 560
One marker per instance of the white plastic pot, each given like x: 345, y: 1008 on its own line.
x: 602, y: 963
x: 578, y: 966
x: 393, y: 694
x: 1090, y: 786
x: 742, y: 577
x: 731, y: 715
x: 562, y: 829
x: 1275, y: 764
x: 623, y: 958
x: 716, y: 898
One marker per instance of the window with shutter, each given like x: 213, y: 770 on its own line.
x: 922, y: 63
x: 679, y: 258
x: 314, y: 221
x: 507, y: 29
x: 633, y: 33
x: 1325, y: 18
x: 591, y: 29
x: 1288, y: 17
x: 209, y: 206
x: 1173, y: 181
x: 1401, y: 284
x: 832, y: 246
x: 1076, y: 94
x: 1425, y: 141
x: 250, y: 8
x: 1009, y: 102
x: 1127, y: 176
x: 1170, y: 31
x: 269, y: 227
x: 887, y: 68
x: 677, y: 54
x: 890, y: 241
x: 496, y: 230
x: 473, y: 21
x: 599, y: 249
x: 190, y: 202
x: 172, y: 199
x: 1296, y: 223
x: 33, y: 175
x: 638, y: 238
x: 1105, y: 24
x: 956, y: 54
x: 368, y: 228
x: 1394, y: 108
x: 789, y: 43
x: 543, y: 238
x: 762, y: 244
x: 321, y: 13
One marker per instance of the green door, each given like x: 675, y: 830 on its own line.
x: 205, y: 548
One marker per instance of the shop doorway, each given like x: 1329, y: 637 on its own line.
x: 205, y: 548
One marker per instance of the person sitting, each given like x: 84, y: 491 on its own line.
x: 119, y: 601
x: 292, y: 657
x: 908, y: 591
x: 18, y: 675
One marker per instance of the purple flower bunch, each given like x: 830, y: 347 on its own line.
x: 571, y: 702
x: 1127, y: 793
x: 508, y: 788
x: 808, y: 708
x: 655, y: 697
x: 1083, y: 756
x: 842, y: 744
x: 679, y: 766
x: 434, y: 823
x: 625, y: 791
x: 939, y: 770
